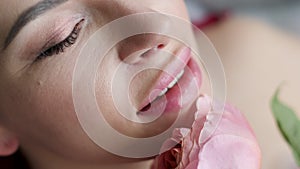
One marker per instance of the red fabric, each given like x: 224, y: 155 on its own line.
x: 211, y: 19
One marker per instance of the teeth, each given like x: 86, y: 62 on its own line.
x: 180, y: 75
x: 172, y: 84
x: 163, y: 92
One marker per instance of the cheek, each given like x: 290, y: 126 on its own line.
x: 39, y: 108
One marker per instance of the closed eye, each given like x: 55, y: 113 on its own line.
x: 63, y: 45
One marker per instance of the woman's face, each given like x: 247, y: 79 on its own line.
x: 37, y: 61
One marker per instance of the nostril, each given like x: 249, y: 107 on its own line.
x: 160, y: 46
x: 151, y: 50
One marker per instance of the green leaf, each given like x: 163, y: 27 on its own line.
x: 288, y: 124
x: 297, y: 157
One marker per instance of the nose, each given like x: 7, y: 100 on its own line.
x: 142, y: 43
x: 114, y: 9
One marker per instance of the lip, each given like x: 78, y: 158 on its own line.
x: 183, y: 93
x: 168, y: 75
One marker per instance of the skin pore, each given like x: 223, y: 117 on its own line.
x: 36, y: 110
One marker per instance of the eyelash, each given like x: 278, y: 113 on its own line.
x: 61, y: 46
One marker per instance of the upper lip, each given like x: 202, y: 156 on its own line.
x: 168, y: 75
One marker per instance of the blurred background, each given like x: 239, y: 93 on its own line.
x: 284, y: 14
x: 259, y: 45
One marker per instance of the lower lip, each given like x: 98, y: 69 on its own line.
x: 182, y: 95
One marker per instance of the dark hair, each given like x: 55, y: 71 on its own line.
x: 16, y: 161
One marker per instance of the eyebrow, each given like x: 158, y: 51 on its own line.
x: 29, y: 15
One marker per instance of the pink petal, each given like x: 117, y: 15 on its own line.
x: 229, y: 152
x: 232, y: 145
x: 177, y: 137
x: 215, y: 141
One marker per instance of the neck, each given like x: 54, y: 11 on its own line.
x: 42, y: 160
x: 74, y: 165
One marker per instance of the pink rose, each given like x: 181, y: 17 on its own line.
x: 232, y: 145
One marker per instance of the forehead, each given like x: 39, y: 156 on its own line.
x: 9, y: 12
